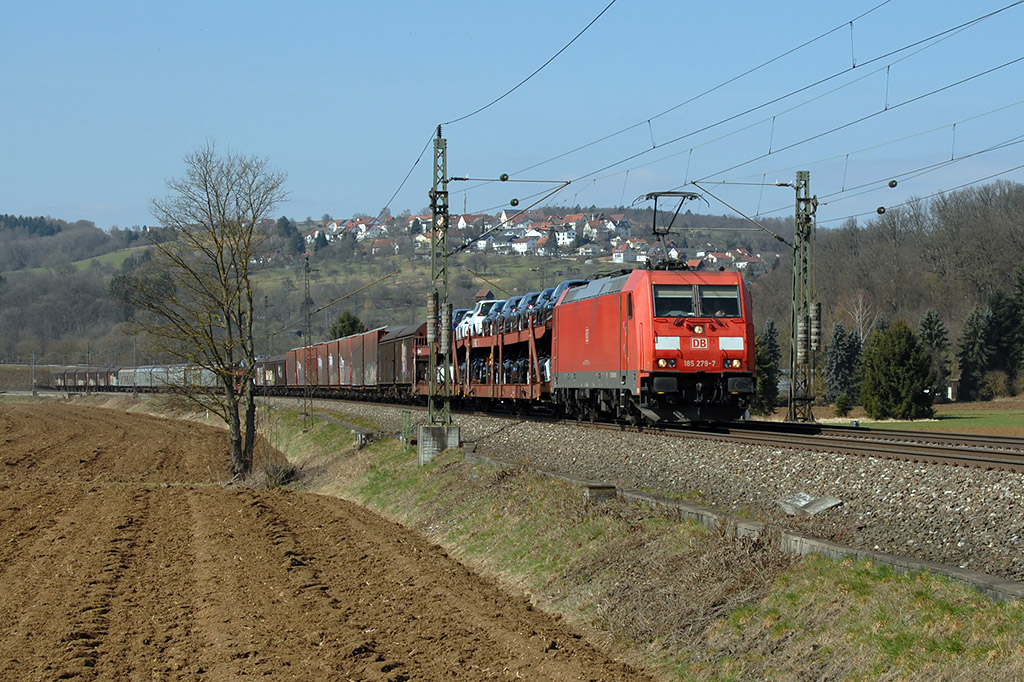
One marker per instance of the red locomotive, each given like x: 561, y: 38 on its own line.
x: 664, y: 345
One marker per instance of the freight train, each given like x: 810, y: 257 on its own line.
x: 647, y: 345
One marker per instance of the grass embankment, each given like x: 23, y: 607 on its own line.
x: 1002, y: 416
x: 687, y: 601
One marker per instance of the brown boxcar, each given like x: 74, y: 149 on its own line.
x: 321, y: 364
x: 397, y: 354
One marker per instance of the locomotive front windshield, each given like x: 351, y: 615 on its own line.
x: 673, y: 300
x: 713, y: 300
x: 719, y: 300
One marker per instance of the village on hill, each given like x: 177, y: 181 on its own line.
x: 583, y: 235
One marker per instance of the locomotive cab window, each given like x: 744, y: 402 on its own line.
x: 719, y: 300
x: 673, y: 300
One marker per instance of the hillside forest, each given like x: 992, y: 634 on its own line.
x: 956, y: 254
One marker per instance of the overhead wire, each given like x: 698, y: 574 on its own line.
x: 867, y: 117
x: 880, y: 145
x: 880, y: 183
x: 929, y: 196
x: 406, y: 178
x: 538, y: 70
x: 927, y: 42
x: 709, y: 91
x: 848, y: 124
x: 933, y: 39
x: 337, y: 300
x: 773, y: 117
x: 490, y: 104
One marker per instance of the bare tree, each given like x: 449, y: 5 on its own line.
x: 861, y: 309
x: 197, y: 294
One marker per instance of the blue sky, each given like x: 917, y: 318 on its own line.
x: 102, y: 100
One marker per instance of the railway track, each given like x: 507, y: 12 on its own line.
x: 954, y: 449
x: 1004, y: 453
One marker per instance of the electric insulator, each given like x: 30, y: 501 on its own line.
x: 431, y: 318
x: 893, y: 183
x: 880, y: 210
x: 503, y: 177
x: 514, y: 202
x: 816, y: 326
x: 446, y: 328
x: 801, y: 340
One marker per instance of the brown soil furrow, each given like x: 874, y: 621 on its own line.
x: 260, y: 606
x: 28, y: 511
x: 92, y: 444
x: 405, y: 597
x: 56, y: 621
x: 108, y: 572
x: 150, y: 629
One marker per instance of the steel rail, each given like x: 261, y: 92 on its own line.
x: 987, y: 452
x: 951, y: 449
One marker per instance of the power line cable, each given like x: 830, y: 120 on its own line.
x: 539, y: 69
x: 715, y: 88
x: 930, y: 196
x: 934, y: 37
x: 881, y: 183
x: 493, y: 102
x: 337, y: 300
x: 773, y: 117
x: 868, y: 116
x: 407, y: 175
x: 805, y: 164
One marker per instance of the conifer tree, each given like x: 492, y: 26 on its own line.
x: 1004, y: 335
x: 895, y: 375
x: 854, y: 350
x: 346, y: 325
x: 768, y: 355
x: 973, y: 355
x: 935, y: 338
x: 838, y: 375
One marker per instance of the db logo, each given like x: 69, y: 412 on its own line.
x: 699, y: 343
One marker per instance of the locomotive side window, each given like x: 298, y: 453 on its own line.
x: 673, y: 300
x: 719, y: 300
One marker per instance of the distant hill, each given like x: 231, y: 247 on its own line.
x: 37, y: 242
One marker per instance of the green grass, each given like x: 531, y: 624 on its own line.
x: 113, y: 259
x: 890, y: 626
x: 988, y: 418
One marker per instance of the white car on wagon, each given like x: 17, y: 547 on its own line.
x: 472, y: 323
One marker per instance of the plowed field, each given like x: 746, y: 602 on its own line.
x: 123, y: 557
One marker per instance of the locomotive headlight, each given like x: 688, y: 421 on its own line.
x: 735, y: 363
x: 698, y: 329
x: 662, y: 363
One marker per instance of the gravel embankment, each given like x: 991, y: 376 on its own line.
x: 960, y: 517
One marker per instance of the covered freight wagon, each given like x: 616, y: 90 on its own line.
x: 397, y: 355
